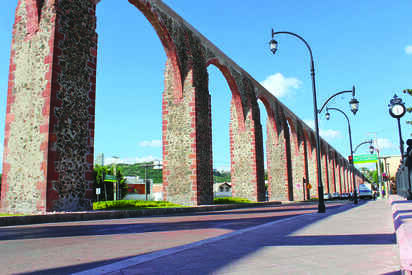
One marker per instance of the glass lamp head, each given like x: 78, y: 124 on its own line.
x: 273, y: 44
x: 354, y: 105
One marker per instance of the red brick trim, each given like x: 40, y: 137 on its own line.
x: 167, y: 42
x: 236, y: 98
x: 32, y: 24
x: 9, y: 115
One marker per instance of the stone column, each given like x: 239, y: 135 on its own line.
x: 340, y: 177
x: 277, y: 157
x: 48, y: 152
x: 246, y: 146
x: 298, y: 160
x: 331, y: 171
x: 325, y: 174
x: 187, y: 142
x: 312, y: 165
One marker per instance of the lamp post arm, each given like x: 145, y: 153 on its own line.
x: 321, y: 204
x: 347, y: 119
x: 359, y: 145
x: 303, y: 40
x: 351, y: 153
x: 326, y: 102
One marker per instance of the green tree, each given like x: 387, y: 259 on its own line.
x: 106, y: 188
x: 408, y: 109
x: 367, y: 173
x: 139, y: 169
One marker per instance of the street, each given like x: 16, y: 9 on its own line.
x: 62, y: 248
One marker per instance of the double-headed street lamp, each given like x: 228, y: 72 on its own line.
x: 274, y: 47
x: 351, y: 150
x: 354, y: 103
x: 371, y: 148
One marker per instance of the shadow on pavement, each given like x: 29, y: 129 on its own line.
x: 217, y: 256
x: 119, y: 228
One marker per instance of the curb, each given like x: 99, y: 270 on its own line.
x: 119, y: 214
x: 402, y: 221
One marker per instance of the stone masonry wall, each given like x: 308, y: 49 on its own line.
x: 332, y: 164
x: 297, y: 159
x: 276, y: 157
x: 24, y: 179
x: 246, y: 155
x: 73, y: 107
x: 331, y: 173
x: 49, y: 133
x: 312, y: 166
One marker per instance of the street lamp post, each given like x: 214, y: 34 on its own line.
x: 153, y: 165
x: 354, y: 103
x: 351, y: 150
x: 116, y: 184
x: 274, y: 47
x: 371, y: 148
x: 397, y: 110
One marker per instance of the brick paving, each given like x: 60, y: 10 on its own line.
x: 348, y: 240
x: 63, y: 248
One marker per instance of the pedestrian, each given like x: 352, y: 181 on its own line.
x: 383, y: 193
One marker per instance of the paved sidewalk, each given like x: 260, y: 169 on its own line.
x: 348, y: 240
x: 402, y: 219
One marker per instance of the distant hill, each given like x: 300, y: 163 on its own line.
x: 138, y: 169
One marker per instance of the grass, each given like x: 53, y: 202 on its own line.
x: 230, y: 200
x: 132, y: 205
x: 9, y: 215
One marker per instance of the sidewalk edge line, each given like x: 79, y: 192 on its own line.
x: 173, y: 250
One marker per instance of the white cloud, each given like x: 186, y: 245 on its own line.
x: 384, y: 143
x: 223, y: 168
x: 329, y: 134
x: 408, y: 49
x: 279, y: 85
x: 111, y: 160
x: 326, y: 134
x: 151, y: 143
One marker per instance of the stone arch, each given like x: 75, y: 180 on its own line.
x: 236, y: 97
x: 278, y: 162
x: 310, y: 163
x: 297, y: 157
x: 62, y: 89
x: 174, y: 60
x: 247, y: 161
x: 325, y: 166
x: 332, y: 166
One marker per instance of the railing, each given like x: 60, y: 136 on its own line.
x: 403, y: 177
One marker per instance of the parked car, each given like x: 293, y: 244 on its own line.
x: 327, y: 196
x: 365, y: 194
x: 344, y: 196
x: 335, y: 196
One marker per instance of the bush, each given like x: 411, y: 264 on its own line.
x: 132, y: 204
x: 230, y: 200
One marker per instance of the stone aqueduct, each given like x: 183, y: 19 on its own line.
x: 48, y: 153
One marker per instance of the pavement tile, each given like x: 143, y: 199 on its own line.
x: 357, y: 241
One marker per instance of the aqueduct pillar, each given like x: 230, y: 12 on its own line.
x: 48, y: 153
x: 246, y: 146
x: 277, y: 156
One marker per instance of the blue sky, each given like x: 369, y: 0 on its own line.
x: 363, y: 43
